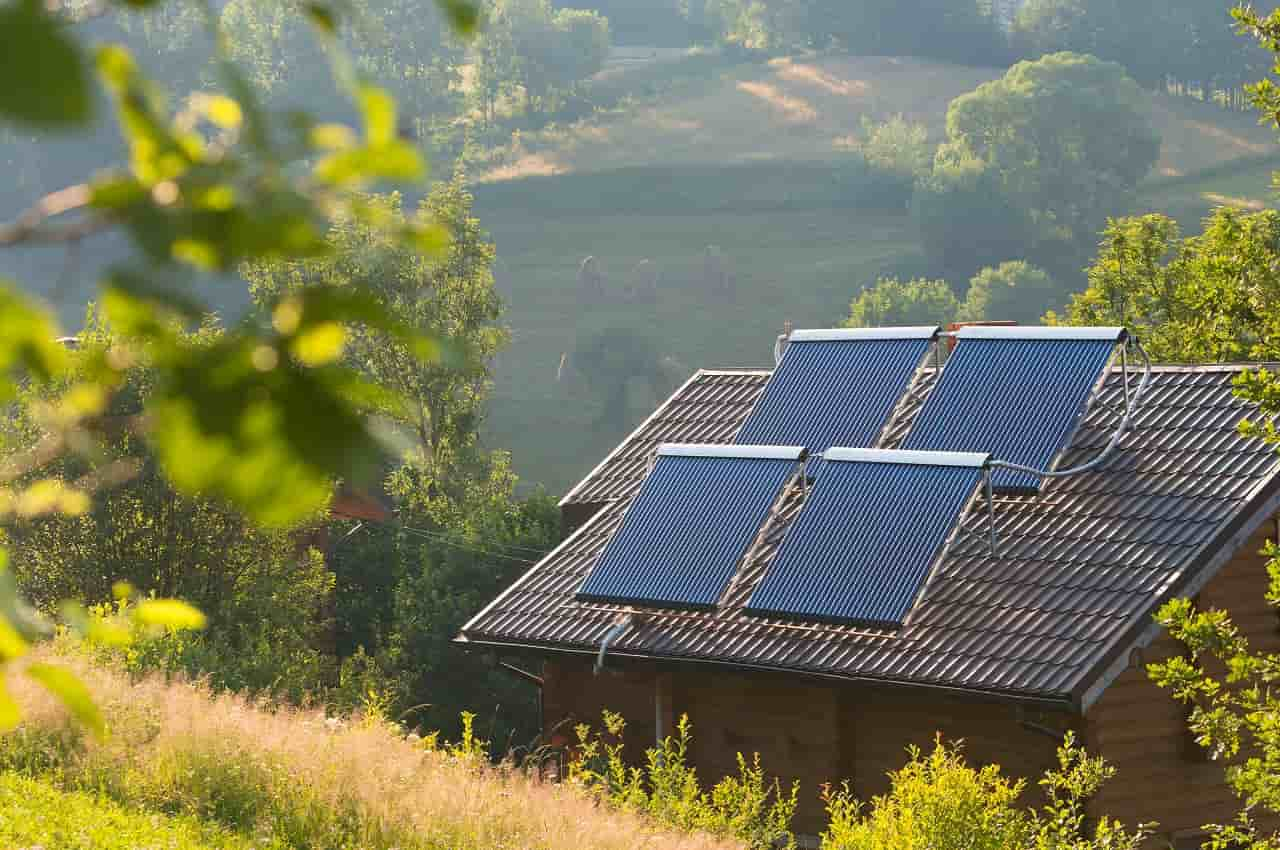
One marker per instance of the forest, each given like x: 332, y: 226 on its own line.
x: 310, y: 313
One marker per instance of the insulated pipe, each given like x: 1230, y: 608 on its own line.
x: 623, y: 623
x: 1111, y: 445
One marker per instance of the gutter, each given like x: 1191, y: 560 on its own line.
x: 1056, y: 703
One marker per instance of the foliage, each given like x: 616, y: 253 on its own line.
x: 894, y: 302
x: 1206, y: 298
x: 39, y: 815
x: 438, y: 403
x: 1014, y: 291
x: 965, y: 220
x: 542, y: 50
x: 746, y: 807
x: 261, y: 417
x: 1184, y: 40
x: 281, y: 778
x: 937, y: 801
x: 1062, y: 140
x: 897, y: 146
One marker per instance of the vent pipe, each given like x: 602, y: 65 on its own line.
x: 616, y: 631
x: 780, y: 345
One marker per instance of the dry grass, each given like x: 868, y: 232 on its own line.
x: 293, y: 779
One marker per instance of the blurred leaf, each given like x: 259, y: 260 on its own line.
x: 430, y: 239
x: 379, y: 111
x: 49, y: 496
x: 71, y: 692
x: 116, y: 191
x: 10, y: 714
x: 24, y: 620
x: 265, y: 433
x: 218, y: 108
x: 12, y: 644
x: 169, y: 613
x: 319, y: 344
x: 322, y: 17
x: 332, y: 136
x: 463, y: 15
x: 46, y: 82
x: 397, y: 161
x: 28, y: 341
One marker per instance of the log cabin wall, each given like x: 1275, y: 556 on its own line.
x: 1162, y: 775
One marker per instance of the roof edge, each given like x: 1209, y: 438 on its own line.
x: 904, y: 456
x: 568, y: 498
x: 1141, y: 630
x: 1060, y: 702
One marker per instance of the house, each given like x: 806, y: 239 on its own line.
x: 1032, y: 614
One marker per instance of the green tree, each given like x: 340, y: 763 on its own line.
x: 893, y: 302
x: 262, y: 415
x: 448, y: 295
x: 1206, y: 298
x: 1014, y: 291
x: 1064, y: 140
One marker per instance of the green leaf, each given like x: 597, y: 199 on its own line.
x: 463, y: 15
x: 46, y: 80
x: 28, y: 341
x: 169, y: 613
x: 71, y: 692
x: 234, y: 419
x: 10, y: 713
x: 322, y: 17
x: 379, y: 110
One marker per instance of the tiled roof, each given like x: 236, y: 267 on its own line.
x: 1080, y: 569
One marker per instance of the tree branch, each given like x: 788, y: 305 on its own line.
x: 28, y: 226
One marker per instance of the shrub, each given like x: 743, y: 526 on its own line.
x: 746, y: 807
x: 1015, y: 291
x: 894, y: 302
x: 938, y: 802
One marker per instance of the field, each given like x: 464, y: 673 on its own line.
x: 749, y: 158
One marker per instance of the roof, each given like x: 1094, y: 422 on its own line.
x: 1080, y: 571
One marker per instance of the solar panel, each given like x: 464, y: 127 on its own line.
x: 866, y: 538
x: 689, y: 526
x: 836, y: 387
x: 1016, y: 392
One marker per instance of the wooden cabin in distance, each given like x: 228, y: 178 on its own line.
x: 1004, y: 648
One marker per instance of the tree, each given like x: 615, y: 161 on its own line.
x: 1015, y: 291
x: 1063, y: 140
x: 893, y: 302
x: 543, y: 50
x: 262, y: 416
x: 447, y: 295
x: 1207, y: 298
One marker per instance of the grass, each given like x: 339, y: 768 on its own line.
x: 287, y: 778
x: 35, y: 814
x: 807, y: 108
x: 1245, y: 183
x: 798, y: 264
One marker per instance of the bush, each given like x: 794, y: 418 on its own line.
x: 746, y: 807
x: 893, y: 302
x: 938, y: 802
x: 1015, y: 291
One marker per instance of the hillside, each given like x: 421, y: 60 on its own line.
x: 184, y: 769
x: 745, y: 158
x: 811, y: 109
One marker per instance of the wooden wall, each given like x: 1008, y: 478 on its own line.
x: 1162, y: 775
x: 809, y: 731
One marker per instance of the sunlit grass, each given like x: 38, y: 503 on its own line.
x: 288, y: 778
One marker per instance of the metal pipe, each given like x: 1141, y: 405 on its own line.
x: 623, y: 623
x: 991, y: 512
x: 1133, y: 405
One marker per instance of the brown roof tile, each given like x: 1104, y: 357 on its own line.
x: 1077, y: 568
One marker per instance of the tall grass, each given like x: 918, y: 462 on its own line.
x: 292, y: 778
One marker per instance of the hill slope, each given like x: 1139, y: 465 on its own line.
x: 810, y: 108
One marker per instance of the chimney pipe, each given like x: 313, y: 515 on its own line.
x: 784, y: 339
